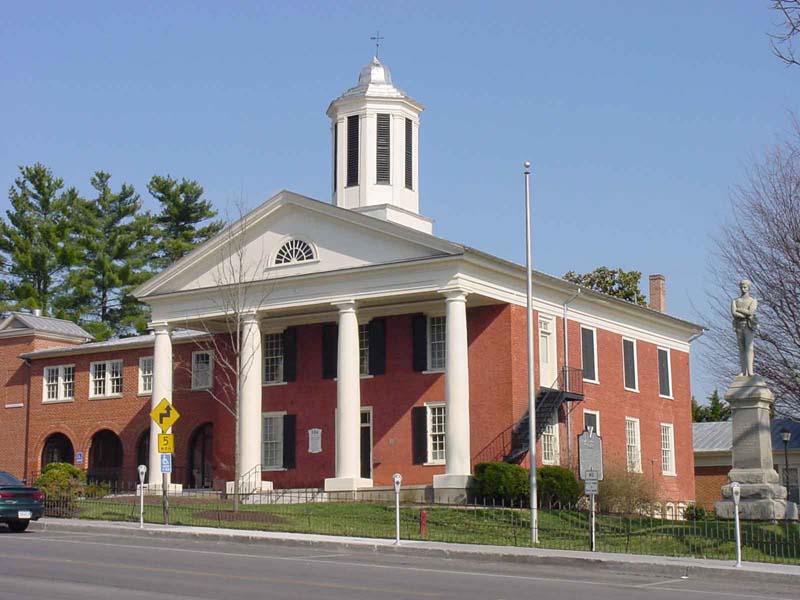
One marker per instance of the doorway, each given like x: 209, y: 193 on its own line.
x: 105, y: 457
x: 366, y: 442
x: 548, y: 363
x: 201, y: 472
x: 57, y: 449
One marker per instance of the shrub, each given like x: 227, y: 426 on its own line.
x: 97, y: 489
x: 500, y: 482
x: 624, y: 492
x: 61, y: 484
x: 695, y: 513
x: 557, y: 487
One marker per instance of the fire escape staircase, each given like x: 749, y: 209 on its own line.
x: 511, y: 445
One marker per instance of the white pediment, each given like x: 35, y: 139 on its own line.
x: 340, y: 239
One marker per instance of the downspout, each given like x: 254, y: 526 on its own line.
x: 566, y: 366
x: 27, y: 425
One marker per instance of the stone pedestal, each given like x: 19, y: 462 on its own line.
x: 762, y: 497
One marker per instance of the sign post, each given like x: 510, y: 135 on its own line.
x: 165, y: 415
x: 142, y: 472
x: 397, y: 479
x: 590, y: 455
x: 736, y: 489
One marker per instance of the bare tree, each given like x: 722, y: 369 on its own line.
x: 782, y: 42
x: 240, y: 289
x: 762, y: 243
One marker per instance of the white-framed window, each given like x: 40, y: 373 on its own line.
x: 550, y: 446
x: 202, y: 369
x: 633, y: 445
x: 591, y: 418
x: 630, y: 368
x: 363, y: 349
x: 59, y: 383
x: 664, y: 373
x: 105, y: 378
x: 437, y: 415
x: 589, y: 354
x: 670, y: 512
x: 437, y: 345
x: 667, y: 449
x: 272, y: 444
x: 145, y: 374
x: 273, y: 358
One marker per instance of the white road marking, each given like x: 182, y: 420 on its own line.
x: 582, y: 582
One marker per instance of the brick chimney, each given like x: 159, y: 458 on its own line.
x: 658, y: 292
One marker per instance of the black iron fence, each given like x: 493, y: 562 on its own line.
x: 370, y: 513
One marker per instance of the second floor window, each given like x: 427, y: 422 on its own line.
x: 437, y: 355
x: 664, y: 374
x: 201, y: 370
x: 588, y: 354
x: 59, y: 383
x: 273, y: 358
x: 145, y: 374
x: 106, y: 378
x: 629, y: 365
x: 363, y: 349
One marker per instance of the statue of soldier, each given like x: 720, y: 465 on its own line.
x: 743, y: 311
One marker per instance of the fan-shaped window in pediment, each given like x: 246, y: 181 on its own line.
x: 294, y: 251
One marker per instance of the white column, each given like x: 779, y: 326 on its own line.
x: 456, y: 395
x: 162, y: 388
x: 250, y: 403
x: 348, y: 405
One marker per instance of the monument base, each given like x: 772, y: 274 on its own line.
x: 758, y: 510
x: 450, y: 489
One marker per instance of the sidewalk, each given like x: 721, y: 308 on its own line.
x: 620, y: 563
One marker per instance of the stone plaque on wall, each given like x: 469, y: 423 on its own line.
x: 315, y: 441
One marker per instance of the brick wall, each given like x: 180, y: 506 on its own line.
x: 708, y: 484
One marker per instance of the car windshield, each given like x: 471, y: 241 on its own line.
x: 7, y: 479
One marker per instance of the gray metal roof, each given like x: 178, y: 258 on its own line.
x: 45, y: 325
x: 139, y: 341
x: 718, y: 437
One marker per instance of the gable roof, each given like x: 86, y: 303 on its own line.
x: 718, y: 436
x: 17, y: 321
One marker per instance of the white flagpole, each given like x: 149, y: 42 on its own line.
x: 531, y: 391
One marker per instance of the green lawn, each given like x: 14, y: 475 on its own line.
x: 510, y: 527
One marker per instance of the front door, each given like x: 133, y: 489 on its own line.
x: 201, y: 473
x: 366, y: 442
x: 548, y: 362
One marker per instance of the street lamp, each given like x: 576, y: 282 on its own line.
x: 786, y: 436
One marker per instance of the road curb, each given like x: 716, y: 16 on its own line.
x: 610, y: 563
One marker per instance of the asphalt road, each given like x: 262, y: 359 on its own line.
x: 76, y: 566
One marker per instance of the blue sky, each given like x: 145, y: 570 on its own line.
x: 639, y: 117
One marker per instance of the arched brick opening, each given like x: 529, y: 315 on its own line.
x: 105, y: 457
x: 201, y: 472
x: 57, y: 448
x: 143, y: 448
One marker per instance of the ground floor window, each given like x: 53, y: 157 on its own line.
x: 550, y: 447
x: 437, y: 414
x: 272, y: 432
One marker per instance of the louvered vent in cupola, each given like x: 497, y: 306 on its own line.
x: 383, y: 153
x: 409, y: 155
x: 335, y: 155
x: 352, y: 150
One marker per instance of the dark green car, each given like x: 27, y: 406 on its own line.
x: 19, y: 504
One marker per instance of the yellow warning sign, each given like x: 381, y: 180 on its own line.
x: 166, y: 443
x: 165, y: 415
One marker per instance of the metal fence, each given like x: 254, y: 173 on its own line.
x: 371, y: 513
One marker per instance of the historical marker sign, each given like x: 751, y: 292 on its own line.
x: 164, y: 415
x: 314, y: 441
x: 590, y: 453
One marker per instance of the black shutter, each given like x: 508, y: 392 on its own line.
x: 290, y: 354
x: 377, y: 347
x: 419, y: 434
x: 382, y: 154
x: 330, y: 341
x: 409, y: 154
x: 419, y: 325
x: 352, y: 150
x: 289, y: 438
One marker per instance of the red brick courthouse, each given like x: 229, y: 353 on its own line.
x: 376, y: 347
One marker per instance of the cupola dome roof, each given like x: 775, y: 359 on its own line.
x: 375, y: 81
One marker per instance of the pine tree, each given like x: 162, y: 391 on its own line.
x: 179, y: 223
x: 716, y: 409
x: 116, y: 242
x: 38, y: 240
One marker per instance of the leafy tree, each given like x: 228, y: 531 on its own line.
x: 38, y: 241
x: 614, y: 282
x: 716, y: 410
x: 115, y: 247
x: 185, y: 219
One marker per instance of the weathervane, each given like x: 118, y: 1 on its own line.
x: 377, y: 39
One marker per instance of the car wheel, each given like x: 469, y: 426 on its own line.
x: 18, y: 526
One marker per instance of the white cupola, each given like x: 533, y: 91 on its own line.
x: 375, y: 132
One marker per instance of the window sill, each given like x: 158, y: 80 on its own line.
x: 150, y: 393
x: 263, y: 469
x: 666, y: 397
x: 367, y: 376
x: 16, y: 405
x: 595, y: 381
x: 62, y: 401
x: 202, y: 389
x: 435, y: 463
x: 108, y: 397
x: 634, y: 390
x: 274, y: 383
x: 668, y: 474
x: 433, y: 372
